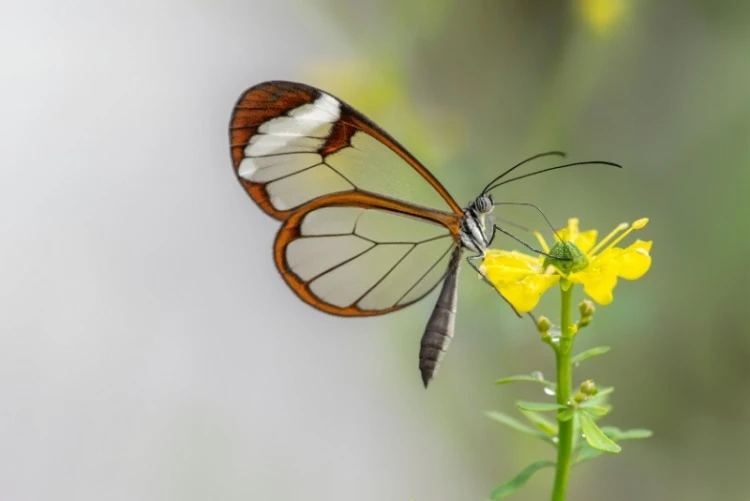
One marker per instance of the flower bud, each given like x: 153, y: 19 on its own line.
x: 588, y: 388
x: 543, y: 324
x: 586, y: 308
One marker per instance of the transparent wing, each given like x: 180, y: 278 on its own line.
x: 357, y: 254
x: 292, y: 143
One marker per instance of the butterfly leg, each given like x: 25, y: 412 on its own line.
x: 511, y: 235
x: 507, y: 222
x: 470, y: 260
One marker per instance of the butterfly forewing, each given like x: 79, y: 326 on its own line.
x: 292, y: 143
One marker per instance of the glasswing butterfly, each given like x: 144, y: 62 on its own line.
x: 366, y: 229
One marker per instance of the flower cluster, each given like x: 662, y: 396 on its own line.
x: 523, y: 278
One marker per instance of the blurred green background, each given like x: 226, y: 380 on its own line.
x: 149, y: 349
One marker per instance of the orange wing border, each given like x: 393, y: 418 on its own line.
x: 291, y: 230
x: 269, y: 100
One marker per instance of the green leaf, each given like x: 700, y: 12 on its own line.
x: 595, y: 437
x: 603, y: 392
x: 515, y: 424
x: 635, y: 434
x: 539, y: 406
x: 587, y: 453
x: 585, y: 355
x: 595, y: 410
x: 511, y: 422
x: 509, y: 487
x: 532, y: 378
x: 566, y: 415
x: 601, y: 397
x: 541, y: 422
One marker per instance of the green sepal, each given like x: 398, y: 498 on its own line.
x: 510, y: 486
x: 591, y: 353
x: 566, y: 257
x: 595, y: 437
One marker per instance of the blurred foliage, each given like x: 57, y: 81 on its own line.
x: 661, y: 87
x: 377, y: 86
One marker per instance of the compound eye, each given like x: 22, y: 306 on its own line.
x: 484, y: 204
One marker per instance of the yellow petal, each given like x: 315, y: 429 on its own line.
x: 570, y: 232
x: 598, y: 286
x: 585, y: 240
x: 635, y: 260
x: 512, y: 259
x: 630, y: 263
x: 524, y: 294
x: 518, y: 277
x: 501, y: 274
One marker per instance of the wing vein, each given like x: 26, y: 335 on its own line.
x: 342, y: 263
x: 266, y: 155
x: 450, y: 247
x: 340, y: 174
x: 291, y: 173
x: 414, y: 246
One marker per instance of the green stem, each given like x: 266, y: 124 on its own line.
x: 565, y: 436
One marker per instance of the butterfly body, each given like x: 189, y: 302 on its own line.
x: 441, y: 325
x: 473, y: 224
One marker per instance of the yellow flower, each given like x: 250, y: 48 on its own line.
x: 522, y: 279
x: 602, y: 15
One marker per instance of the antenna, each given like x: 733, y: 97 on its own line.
x: 548, y: 169
x: 522, y: 162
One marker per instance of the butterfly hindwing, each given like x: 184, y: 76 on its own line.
x: 355, y: 254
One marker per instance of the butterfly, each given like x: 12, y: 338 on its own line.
x: 366, y: 229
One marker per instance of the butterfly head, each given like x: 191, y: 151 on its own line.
x: 483, y: 204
